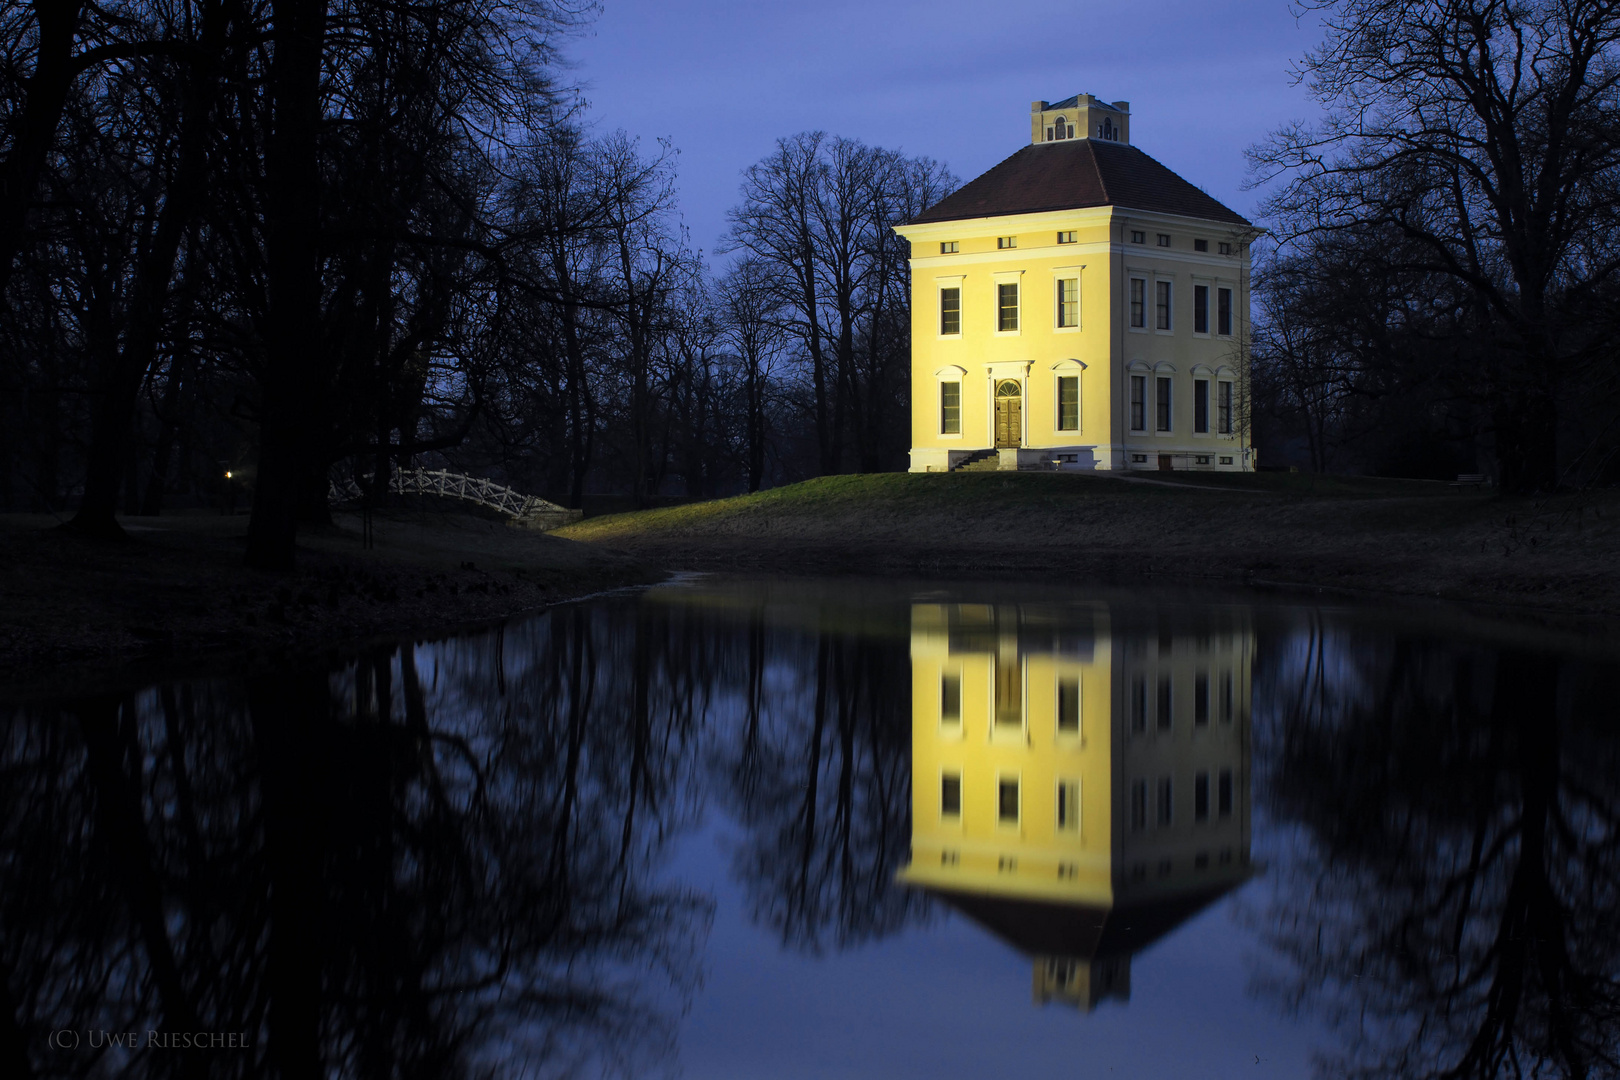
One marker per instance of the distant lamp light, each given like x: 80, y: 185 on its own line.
x: 227, y: 474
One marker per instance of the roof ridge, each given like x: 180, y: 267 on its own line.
x: 1102, y: 181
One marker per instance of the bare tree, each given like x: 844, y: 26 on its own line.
x: 1484, y: 134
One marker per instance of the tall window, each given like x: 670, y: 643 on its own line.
x: 1223, y: 794
x: 1138, y: 805
x: 950, y: 311
x: 1161, y: 403
x: 1068, y: 387
x: 1165, y: 703
x: 1007, y: 800
x: 1138, y: 705
x: 1009, y: 693
x: 950, y: 408
x: 1068, y: 705
x: 1138, y: 402
x: 1166, y: 809
x: 950, y: 795
x: 1007, y: 307
x: 1227, y: 696
x: 1200, y: 309
x: 1068, y: 805
x: 1223, y: 411
x: 1201, y: 406
x: 1161, y: 291
x: 1201, y: 699
x: 1223, y: 312
x: 950, y: 700
x: 1138, y: 303
x: 1068, y: 302
x: 1201, y: 796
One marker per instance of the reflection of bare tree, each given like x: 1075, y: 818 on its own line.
x: 1453, y: 905
x: 820, y: 780
x: 381, y: 871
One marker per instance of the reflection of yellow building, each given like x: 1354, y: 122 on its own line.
x: 1079, y: 785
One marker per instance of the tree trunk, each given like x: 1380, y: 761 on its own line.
x: 294, y: 379
x: 1527, y: 442
x: 44, y: 97
x: 294, y: 801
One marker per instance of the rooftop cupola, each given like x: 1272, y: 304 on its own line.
x: 1080, y: 117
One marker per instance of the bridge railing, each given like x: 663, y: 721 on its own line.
x: 454, y: 485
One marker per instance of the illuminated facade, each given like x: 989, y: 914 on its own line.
x: 1079, y: 306
x: 1079, y: 787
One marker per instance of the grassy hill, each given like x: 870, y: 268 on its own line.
x: 1394, y: 536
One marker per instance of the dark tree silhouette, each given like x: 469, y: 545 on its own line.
x: 1453, y: 911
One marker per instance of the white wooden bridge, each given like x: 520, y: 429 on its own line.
x: 523, y: 509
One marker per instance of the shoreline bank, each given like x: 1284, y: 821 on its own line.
x: 175, y: 598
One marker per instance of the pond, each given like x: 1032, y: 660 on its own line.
x: 794, y: 828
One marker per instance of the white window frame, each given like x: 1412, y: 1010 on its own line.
x: 1208, y: 285
x: 1168, y: 280
x: 1224, y: 377
x: 958, y: 375
x: 951, y: 730
x: 1015, y: 279
x: 1058, y: 734
x: 1166, y: 372
x: 1203, y: 374
x: 1017, y: 777
x: 1134, y: 369
x: 939, y: 325
x: 961, y: 796
x: 1065, y: 369
x: 1132, y: 277
x: 941, y: 283
x: 1058, y: 825
x: 998, y: 733
x: 1060, y: 274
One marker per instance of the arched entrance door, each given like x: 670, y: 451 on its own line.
x: 1009, y: 414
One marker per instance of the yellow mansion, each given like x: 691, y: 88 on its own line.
x: 1080, y: 777
x: 1079, y: 306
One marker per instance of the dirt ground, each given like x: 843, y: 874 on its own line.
x: 175, y: 595
x: 1553, y: 561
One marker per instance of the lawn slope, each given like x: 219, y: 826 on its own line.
x: 1402, y: 537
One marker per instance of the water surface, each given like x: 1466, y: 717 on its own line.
x: 793, y: 828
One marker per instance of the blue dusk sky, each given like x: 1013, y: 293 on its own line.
x: 949, y: 79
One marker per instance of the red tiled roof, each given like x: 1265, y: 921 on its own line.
x: 1074, y: 173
